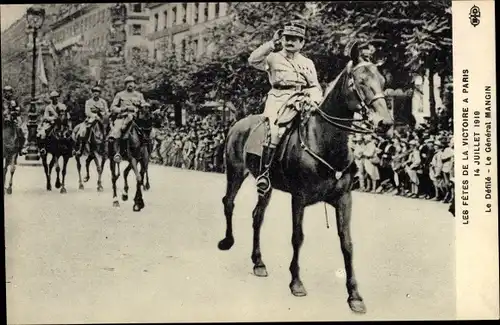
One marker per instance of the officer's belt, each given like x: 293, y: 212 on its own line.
x: 290, y: 87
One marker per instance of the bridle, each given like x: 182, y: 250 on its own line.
x: 363, y: 103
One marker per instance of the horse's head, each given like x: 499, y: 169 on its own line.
x: 364, y: 87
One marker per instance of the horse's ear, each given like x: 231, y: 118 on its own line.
x: 352, y: 51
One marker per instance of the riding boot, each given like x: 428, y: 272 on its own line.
x: 263, y: 181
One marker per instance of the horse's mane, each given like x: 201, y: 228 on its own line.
x: 340, y: 79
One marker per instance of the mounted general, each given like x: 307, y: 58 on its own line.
x: 314, y: 162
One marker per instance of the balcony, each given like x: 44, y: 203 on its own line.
x: 168, y: 31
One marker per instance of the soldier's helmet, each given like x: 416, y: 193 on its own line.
x: 7, y: 89
x: 54, y: 94
x: 295, y: 28
x: 129, y: 79
x: 96, y: 89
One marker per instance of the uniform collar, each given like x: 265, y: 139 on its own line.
x: 289, y: 56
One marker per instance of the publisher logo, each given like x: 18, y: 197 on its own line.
x: 474, y: 15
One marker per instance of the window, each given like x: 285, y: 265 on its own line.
x: 217, y: 10
x: 137, y: 7
x: 205, y: 12
x: 136, y: 29
x: 183, y: 49
x: 174, y: 15
x: 195, y: 48
x: 173, y: 48
x: 196, y: 11
x: 184, y: 13
x: 165, y: 19
x: 155, y: 54
x: 156, y: 23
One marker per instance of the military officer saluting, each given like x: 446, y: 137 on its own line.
x: 124, y: 107
x: 10, y: 107
x: 95, y: 110
x: 289, y: 72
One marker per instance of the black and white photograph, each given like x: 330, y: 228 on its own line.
x: 246, y: 161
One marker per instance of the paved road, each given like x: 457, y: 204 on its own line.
x: 74, y: 258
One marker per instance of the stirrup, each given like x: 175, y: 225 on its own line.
x: 263, y: 184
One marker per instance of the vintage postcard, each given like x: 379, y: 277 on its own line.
x: 249, y: 161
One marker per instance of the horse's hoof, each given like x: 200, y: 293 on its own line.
x: 99, y: 188
x: 298, y: 289
x: 124, y: 197
x: 260, y: 271
x: 9, y: 190
x: 357, y: 305
x: 80, y: 187
x: 226, y: 243
x: 63, y: 190
x: 116, y: 203
x: 49, y: 188
x: 147, y: 187
x: 86, y: 179
x: 58, y: 184
x: 138, y: 207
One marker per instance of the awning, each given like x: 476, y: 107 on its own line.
x: 68, y: 42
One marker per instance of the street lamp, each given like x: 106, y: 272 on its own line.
x: 35, y: 17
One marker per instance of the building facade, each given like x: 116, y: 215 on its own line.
x: 180, y: 28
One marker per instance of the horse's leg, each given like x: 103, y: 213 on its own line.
x: 58, y: 171
x: 88, y: 160
x: 298, y: 207
x: 114, y: 177
x: 138, y: 200
x: 235, y: 177
x: 259, y: 268
x: 49, y: 175
x: 99, y: 173
x: 46, y: 171
x: 126, y: 171
x: 65, y: 164
x: 13, y: 162
x: 146, y: 184
x: 343, y: 209
x: 79, y: 168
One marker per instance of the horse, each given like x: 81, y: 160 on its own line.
x: 12, y: 145
x: 145, y: 121
x: 95, y: 147
x: 58, y: 143
x: 136, y: 152
x: 317, y: 165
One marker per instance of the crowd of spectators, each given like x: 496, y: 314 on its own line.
x: 416, y: 162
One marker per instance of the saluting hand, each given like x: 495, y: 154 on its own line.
x: 277, y: 36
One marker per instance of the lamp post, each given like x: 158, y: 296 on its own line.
x: 35, y: 17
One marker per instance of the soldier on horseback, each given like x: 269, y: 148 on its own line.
x: 96, y: 109
x: 55, y: 111
x: 125, y: 107
x: 294, y: 81
x: 12, y: 109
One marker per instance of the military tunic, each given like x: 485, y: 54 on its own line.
x: 51, y: 113
x: 285, y: 74
x: 125, y: 105
x: 94, y: 110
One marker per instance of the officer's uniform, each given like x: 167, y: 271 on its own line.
x: 52, y: 112
x: 125, y: 106
x: 11, y: 107
x: 95, y: 110
x: 287, y: 75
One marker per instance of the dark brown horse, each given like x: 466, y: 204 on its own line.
x: 95, y: 148
x: 145, y: 121
x: 58, y: 143
x: 12, y: 144
x: 317, y: 166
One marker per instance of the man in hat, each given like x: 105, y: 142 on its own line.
x: 125, y: 106
x: 96, y: 109
x: 290, y: 73
x: 54, y: 111
x: 10, y: 107
x: 412, y: 166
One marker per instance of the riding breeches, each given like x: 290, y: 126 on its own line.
x: 119, y: 125
x: 275, y: 105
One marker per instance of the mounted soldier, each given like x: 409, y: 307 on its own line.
x: 294, y: 84
x: 54, y: 112
x: 96, y: 109
x: 125, y: 107
x: 11, y: 108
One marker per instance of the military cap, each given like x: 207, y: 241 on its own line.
x: 7, y: 88
x: 129, y: 79
x: 54, y: 94
x: 413, y: 142
x: 96, y: 88
x: 295, y: 28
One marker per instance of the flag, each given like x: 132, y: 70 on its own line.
x: 41, y: 69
